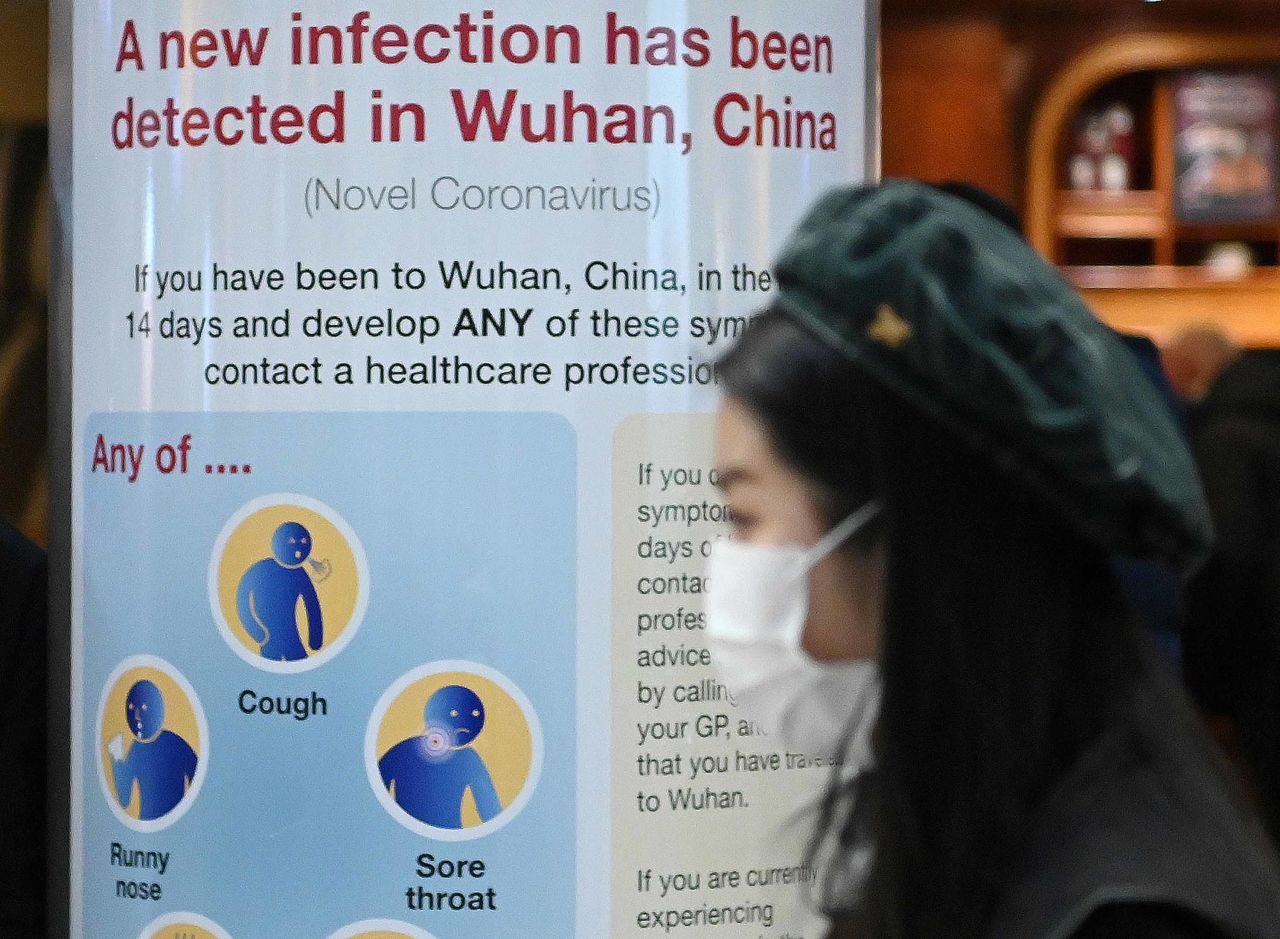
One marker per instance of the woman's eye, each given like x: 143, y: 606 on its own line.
x: 740, y: 522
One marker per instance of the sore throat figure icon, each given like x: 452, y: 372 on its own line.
x: 159, y: 762
x: 270, y: 590
x: 428, y: 775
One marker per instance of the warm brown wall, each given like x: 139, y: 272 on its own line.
x: 24, y: 62
x: 945, y: 109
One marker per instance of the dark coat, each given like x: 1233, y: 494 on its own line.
x: 1145, y: 828
x: 1232, y: 635
x: 1141, y: 839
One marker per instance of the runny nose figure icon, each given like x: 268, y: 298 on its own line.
x: 428, y: 775
x: 268, y: 594
x: 159, y: 762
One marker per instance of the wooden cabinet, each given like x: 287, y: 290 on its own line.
x: 1135, y: 262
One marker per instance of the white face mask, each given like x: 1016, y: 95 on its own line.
x: 757, y: 602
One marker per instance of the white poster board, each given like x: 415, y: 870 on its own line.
x: 389, y: 332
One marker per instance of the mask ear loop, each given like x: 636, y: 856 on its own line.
x: 841, y: 533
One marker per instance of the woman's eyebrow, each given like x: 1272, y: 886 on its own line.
x: 731, y: 475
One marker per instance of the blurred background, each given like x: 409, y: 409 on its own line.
x: 1138, y: 141
x: 23, y: 265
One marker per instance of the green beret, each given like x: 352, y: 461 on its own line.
x: 951, y: 310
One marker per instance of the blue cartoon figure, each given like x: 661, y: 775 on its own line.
x: 268, y: 594
x: 428, y: 775
x: 159, y: 761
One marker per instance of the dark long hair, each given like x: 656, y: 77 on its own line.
x: 1006, y: 645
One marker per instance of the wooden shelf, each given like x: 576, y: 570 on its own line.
x: 1167, y: 277
x: 1159, y: 52
x: 1160, y: 301
x: 1153, y: 296
x: 1137, y: 215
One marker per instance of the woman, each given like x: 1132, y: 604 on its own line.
x: 927, y: 394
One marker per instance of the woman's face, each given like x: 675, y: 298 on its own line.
x: 771, y: 503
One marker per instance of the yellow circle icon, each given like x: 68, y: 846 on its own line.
x: 181, y: 931
x: 151, y: 743
x: 288, y: 583
x: 454, y: 752
x: 183, y: 926
x: 380, y: 929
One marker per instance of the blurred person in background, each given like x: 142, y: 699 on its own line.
x: 1193, y: 360
x: 930, y: 450
x: 1232, y: 635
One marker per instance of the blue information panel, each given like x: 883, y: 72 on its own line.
x: 422, y: 764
